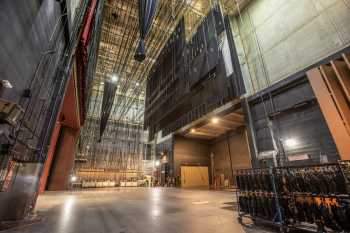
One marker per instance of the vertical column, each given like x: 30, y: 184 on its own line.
x: 50, y: 156
x: 64, y: 159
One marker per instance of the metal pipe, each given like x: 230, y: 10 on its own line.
x: 229, y: 152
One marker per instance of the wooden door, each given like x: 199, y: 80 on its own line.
x: 194, y: 177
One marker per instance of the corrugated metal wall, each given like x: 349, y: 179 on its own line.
x: 294, y: 114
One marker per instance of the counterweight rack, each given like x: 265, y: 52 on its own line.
x: 312, y: 198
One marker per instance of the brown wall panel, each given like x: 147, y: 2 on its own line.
x: 196, y: 152
x: 194, y: 177
x: 329, y: 109
x: 347, y: 59
x: 64, y: 160
x: 50, y: 157
x: 335, y: 88
x: 190, y: 152
x: 240, y: 155
x: 343, y: 74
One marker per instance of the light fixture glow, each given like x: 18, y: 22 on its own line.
x: 291, y: 142
x: 73, y: 178
x: 157, y: 163
x: 114, y: 78
x: 193, y: 130
x: 137, y: 84
x: 215, y: 120
x: 189, y: 2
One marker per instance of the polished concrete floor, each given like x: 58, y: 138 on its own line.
x: 136, y: 210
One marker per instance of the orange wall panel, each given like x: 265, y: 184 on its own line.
x: 329, y: 109
x: 50, y: 156
x: 65, y: 152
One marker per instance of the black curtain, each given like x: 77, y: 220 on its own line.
x: 109, y: 91
x: 147, y: 12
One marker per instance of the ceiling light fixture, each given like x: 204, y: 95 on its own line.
x: 189, y: 2
x: 291, y: 142
x: 215, y: 120
x: 193, y: 130
x: 114, y: 78
x: 73, y: 178
x: 157, y: 163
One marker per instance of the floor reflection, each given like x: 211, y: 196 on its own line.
x: 135, y: 210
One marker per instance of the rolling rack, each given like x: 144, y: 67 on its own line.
x: 310, y: 198
x: 254, y: 184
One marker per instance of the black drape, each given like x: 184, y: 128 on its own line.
x: 147, y: 12
x: 109, y: 91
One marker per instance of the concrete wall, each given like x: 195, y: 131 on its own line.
x: 190, y: 152
x: 277, y: 38
x: 240, y: 155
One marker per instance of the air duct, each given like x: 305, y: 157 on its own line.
x: 147, y: 12
x: 110, y: 88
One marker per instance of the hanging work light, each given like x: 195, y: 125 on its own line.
x: 147, y: 12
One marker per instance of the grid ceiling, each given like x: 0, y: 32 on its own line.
x: 119, y: 38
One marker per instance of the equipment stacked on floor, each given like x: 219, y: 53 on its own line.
x: 314, y: 198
